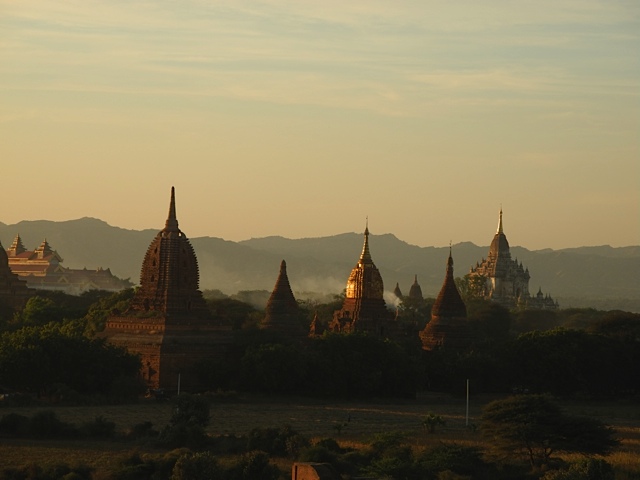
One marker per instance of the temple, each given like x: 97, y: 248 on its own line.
x: 41, y: 269
x: 415, y: 292
x: 505, y: 280
x: 14, y: 292
x: 168, y: 323
x: 448, y: 326
x: 282, y: 313
x: 364, y: 308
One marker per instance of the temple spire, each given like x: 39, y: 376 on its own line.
x: 500, y: 222
x: 365, y: 256
x: 172, y: 222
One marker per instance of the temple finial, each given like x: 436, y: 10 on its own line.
x: 365, y: 257
x: 172, y: 221
x: 500, y: 222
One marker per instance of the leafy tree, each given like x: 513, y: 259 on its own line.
x: 190, y: 414
x: 566, y: 362
x: 534, y: 427
x: 471, y: 287
x: 36, y: 359
x: 190, y: 409
x: 97, y: 314
x: 273, y: 368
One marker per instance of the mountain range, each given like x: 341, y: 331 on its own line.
x: 600, y: 277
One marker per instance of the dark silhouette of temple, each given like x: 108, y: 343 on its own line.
x: 505, y: 280
x: 415, y: 292
x: 448, y: 326
x: 282, y: 313
x: 168, y: 323
x: 364, y: 308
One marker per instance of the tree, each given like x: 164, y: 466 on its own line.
x: 535, y: 427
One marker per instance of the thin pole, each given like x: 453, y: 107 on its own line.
x: 178, y: 383
x: 467, y: 415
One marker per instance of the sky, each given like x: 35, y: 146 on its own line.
x: 303, y: 119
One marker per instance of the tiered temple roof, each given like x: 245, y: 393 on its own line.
x: 42, y: 269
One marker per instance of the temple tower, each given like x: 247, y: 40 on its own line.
x: 364, y: 309
x: 168, y: 323
x: 506, y: 281
x: 397, y: 292
x: 448, y: 326
x: 282, y: 313
x: 415, y: 292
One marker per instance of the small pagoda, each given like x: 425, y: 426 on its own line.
x: 282, y: 313
x: 448, y: 326
x: 168, y: 323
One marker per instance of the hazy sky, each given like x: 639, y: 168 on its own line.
x: 303, y: 118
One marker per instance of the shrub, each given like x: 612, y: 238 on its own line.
x: 197, y: 466
x: 252, y: 466
x: 45, y: 424
x: 14, y: 424
x: 587, y: 469
x: 99, y: 428
x: 141, y: 430
x: 276, y: 441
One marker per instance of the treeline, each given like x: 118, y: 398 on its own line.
x: 50, y: 349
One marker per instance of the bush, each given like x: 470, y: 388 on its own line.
x: 253, y: 466
x: 190, y: 410
x: 14, y: 425
x: 45, y: 424
x: 55, y: 472
x: 142, y: 430
x: 99, y: 428
x: 280, y: 442
x: 587, y: 469
x: 183, y: 435
x: 197, y: 466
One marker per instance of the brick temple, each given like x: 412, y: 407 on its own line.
x: 448, y: 326
x: 168, y: 323
x: 282, y: 313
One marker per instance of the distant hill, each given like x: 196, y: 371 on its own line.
x: 601, y: 277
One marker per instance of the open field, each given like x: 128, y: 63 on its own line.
x: 350, y: 423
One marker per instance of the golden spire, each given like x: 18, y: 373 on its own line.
x: 365, y: 256
x: 500, y: 222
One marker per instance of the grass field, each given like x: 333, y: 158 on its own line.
x: 349, y: 423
